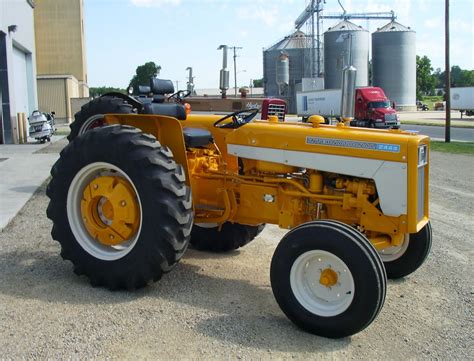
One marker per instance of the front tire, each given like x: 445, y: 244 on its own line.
x: 328, y: 279
x: 120, y: 207
x: 229, y: 237
x: 406, y: 259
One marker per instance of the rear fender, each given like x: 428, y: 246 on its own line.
x: 167, y: 130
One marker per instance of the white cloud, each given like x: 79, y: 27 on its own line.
x: 266, y: 14
x: 151, y: 3
x: 434, y: 23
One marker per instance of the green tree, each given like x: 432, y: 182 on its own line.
x: 439, y: 75
x: 459, y: 77
x: 143, y: 74
x: 466, y: 78
x: 425, y: 80
x: 455, y: 75
x: 98, y: 91
x: 258, y: 83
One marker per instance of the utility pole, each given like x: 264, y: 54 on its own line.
x: 312, y: 40
x: 318, y: 21
x: 235, y: 67
x: 177, y: 85
x: 447, y: 74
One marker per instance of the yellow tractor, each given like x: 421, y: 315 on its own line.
x: 138, y: 183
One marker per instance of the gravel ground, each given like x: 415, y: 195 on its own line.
x: 221, y: 306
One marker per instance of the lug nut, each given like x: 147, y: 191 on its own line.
x: 96, y: 186
x: 111, y: 236
x: 123, y: 203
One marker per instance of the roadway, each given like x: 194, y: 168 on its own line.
x: 437, y: 132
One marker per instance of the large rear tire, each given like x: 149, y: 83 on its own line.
x: 92, y: 113
x: 406, y: 259
x: 120, y: 207
x: 228, y: 238
x: 328, y: 279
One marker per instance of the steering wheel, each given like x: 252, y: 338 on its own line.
x: 236, y: 120
x: 179, y: 95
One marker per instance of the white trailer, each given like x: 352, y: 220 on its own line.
x: 323, y: 102
x: 462, y: 99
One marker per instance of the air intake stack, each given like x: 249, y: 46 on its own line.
x: 224, y: 73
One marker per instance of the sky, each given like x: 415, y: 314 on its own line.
x: 176, y: 34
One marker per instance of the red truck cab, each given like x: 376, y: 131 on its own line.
x: 374, y: 110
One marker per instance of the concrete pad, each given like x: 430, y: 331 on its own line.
x: 21, y: 173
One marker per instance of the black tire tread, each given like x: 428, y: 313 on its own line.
x: 164, y: 241
x: 415, y: 255
x: 103, y: 105
x: 229, y: 237
x: 362, y: 243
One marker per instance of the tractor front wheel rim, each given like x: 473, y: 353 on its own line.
x: 322, y: 283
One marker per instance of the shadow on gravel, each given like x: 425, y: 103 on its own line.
x: 45, y: 276
x: 24, y: 189
x: 268, y: 333
x: 248, y: 316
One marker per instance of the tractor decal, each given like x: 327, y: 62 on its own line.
x: 382, y: 147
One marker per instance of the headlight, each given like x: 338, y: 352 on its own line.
x: 422, y: 155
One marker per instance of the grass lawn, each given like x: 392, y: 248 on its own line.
x: 453, y: 147
x: 430, y: 100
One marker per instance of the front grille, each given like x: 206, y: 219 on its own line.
x: 278, y: 110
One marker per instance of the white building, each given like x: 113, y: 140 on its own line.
x: 17, y: 64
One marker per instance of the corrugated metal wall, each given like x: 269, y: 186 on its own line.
x: 52, y: 96
x: 394, y: 64
x: 59, y: 34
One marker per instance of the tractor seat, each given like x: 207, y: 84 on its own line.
x: 171, y: 110
x: 196, y: 137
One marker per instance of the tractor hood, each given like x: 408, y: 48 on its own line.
x: 390, y: 145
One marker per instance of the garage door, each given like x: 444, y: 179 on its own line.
x: 20, y: 83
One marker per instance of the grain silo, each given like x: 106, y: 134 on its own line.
x: 292, y: 57
x: 394, y: 64
x: 336, y: 46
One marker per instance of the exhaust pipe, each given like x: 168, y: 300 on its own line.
x: 348, y: 93
x: 224, y: 73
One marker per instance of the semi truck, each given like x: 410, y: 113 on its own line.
x: 372, y: 108
x: 462, y: 99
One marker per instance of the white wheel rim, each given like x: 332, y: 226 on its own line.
x: 85, y: 127
x: 206, y: 225
x: 393, y: 253
x: 73, y: 207
x: 317, y: 298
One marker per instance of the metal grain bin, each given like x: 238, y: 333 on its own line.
x: 297, y: 47
x: 394, y: 64
x: 336, y: 54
